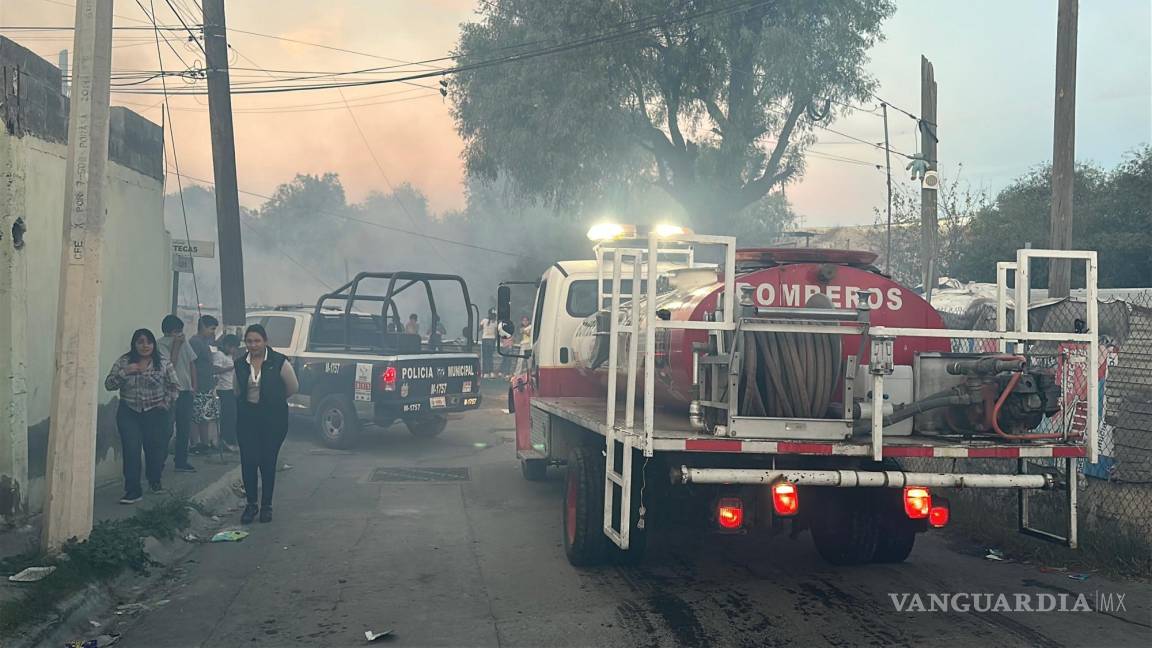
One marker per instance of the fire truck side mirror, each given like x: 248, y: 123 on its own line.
x: 504, y: 304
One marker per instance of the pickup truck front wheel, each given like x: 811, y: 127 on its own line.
x: 336, y: 422
x: 426, y: 427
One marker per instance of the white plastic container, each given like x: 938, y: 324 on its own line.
x: 897, y: 392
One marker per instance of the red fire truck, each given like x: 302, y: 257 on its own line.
x: 776, y: 386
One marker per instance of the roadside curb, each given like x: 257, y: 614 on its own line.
x: 97, y: 599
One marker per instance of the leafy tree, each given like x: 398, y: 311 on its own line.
x: 957, y: 205
x: 1112, y: 213
x: 713, y: 101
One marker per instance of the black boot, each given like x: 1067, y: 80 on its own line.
x: 266, y: 513
x: 249, y: 514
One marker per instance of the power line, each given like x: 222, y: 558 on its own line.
x: 329, y: 47
x: 186, y: 27
x: 390, y: 228
x: 513, y: 58
x: 380, y: 168
x: 175, y: 160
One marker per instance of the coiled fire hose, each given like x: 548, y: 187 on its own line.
x: 789, y: 375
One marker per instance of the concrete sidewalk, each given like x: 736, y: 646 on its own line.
x: 106, y: 506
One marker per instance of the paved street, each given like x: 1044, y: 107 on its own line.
x: 479, y: 563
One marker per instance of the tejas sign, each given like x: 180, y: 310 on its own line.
x: 199, y: 249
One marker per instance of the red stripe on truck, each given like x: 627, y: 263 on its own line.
x: 713, y: 445
x: 1078, y: 451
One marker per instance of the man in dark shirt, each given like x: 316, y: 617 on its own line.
x: 205, y: 403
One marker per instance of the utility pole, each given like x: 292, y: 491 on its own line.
x: 929, y: 227
x: 888, y: 166
x: 1063, y: 148
x: 72, y: 433
x: 224, y: 168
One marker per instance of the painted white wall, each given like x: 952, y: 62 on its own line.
x: 136, y: 281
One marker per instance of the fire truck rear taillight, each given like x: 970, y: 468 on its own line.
x: 940, y: 513
x: 785, y: 499
x: 917, y: 502
x: 730, y: 513
x: 388, y: 379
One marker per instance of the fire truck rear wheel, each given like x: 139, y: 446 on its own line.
x: 426, y: 427
x: 897, y: 537
x: 584, y: 541
x: 337, y: 424
x: 845, y: 526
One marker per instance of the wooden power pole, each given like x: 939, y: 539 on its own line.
x: 72, y: 432
x: 888, y: 172
x: 1063, y: 148
x: 929, y: 227
x: 224, y: 167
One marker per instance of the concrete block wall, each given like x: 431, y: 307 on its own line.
x: 136, y: 273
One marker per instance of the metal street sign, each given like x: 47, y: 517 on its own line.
x: 181, y: 263
x: 199, y: 249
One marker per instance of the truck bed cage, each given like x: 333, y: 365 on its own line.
x: 369, y: 325
x: 734, y: 316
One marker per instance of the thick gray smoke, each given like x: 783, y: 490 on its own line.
x: 308, y: 240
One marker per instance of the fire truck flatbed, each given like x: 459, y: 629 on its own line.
x: 673, y: 433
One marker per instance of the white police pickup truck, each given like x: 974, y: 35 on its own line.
x: 361, y: 358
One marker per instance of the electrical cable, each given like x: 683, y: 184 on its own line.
x: 175, y: 160
x: 514, y: 58
x: 375, y: 224
x: 380, y: 168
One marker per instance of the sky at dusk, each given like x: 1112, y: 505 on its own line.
x: 993, y: 63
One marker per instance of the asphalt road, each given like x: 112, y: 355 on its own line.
x: 479, y: 563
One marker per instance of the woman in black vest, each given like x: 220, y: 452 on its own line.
x: 264, y: 381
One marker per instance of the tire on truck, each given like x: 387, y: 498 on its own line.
x: 845, y: 525
x: 337, y: 423
x: 897, y: 532
x: 426, y: 427
x: 584, y: 541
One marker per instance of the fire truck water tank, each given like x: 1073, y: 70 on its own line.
x: 788, y: 278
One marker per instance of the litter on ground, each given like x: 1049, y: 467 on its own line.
x: 98, y: 642
x: 373, y: 636
x: 32, y: 574
x: 231, y: 535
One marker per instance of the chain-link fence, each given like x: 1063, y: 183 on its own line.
x: 1115, y: 494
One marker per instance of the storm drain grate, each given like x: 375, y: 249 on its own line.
x: 420, y: 475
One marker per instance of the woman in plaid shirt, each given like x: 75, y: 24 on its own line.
x: 148, y: 386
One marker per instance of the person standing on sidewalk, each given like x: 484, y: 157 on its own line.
x: 205, y: 404
x: 264, y: 382
x: 224, y: 358
x: 488, y: 327
x: 148, y: 387
x: 177, y: 350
